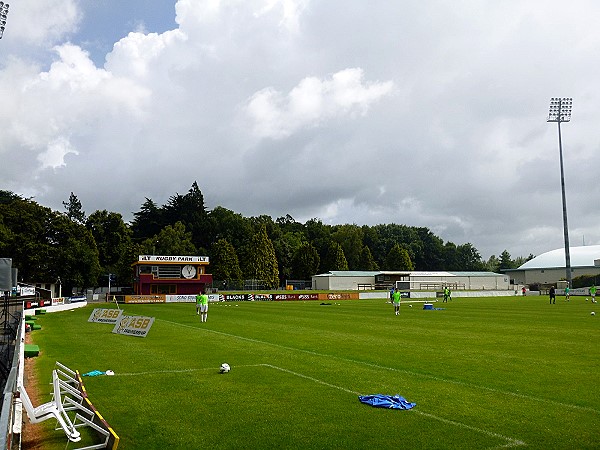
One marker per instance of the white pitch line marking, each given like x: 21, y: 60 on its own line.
x: 407, y: 372
x: 157, y: 372
x: 510, y: 442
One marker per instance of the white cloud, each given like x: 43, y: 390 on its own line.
x: 32, y: 22
x: 428, y: 114
x: 140, y: 55
x: 313, y: 101
x: 54, y: 156
x: 58, y: 110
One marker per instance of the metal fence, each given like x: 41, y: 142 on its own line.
x: 10, y: 415
x: 255, y: 285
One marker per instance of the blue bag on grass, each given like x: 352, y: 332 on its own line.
x: 386, y: 401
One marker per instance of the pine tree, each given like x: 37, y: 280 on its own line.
x: 366, y: 261
x: 261, y: 262
x: 74, y: 209
x: 335, y: 258
x: 148, y: 221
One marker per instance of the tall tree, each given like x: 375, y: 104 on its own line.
x: 431, y: 256
x: 390, y: 235
x: 334, y: 259
x: 306, y: 262
x: 7, y: 197
x: 172, y: 240
x: 273, y: 230
x: 76, y: 256
x: 27, y: 238
x: 520, y: 260
x: 224, y: 263
x: 113, y: 239
x: 469, y: 258
x: 350, y: 238
x: 46, y: 245
x: 189, y: 209
x: 225, y: 224
x: 286, y: 245
x: 398, y: 259
x: 289, y: 225
x: 506, y: 261
x: 148, y: 221
x: 260, y: 261
x: 366, y: 261
x: 74, y: 209
x: 451, y: 259
x: 319, y: 235
x: 492, y: 264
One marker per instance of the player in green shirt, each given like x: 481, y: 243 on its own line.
x: 198, y: 302
x: 593, y: 293
x: 202, y: 306
x: 396, y: 300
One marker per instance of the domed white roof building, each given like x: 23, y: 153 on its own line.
x: 549, y: 267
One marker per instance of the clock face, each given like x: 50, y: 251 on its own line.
x: 188, y: 271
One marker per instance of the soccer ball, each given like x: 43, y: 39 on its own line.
x: 224, y: 368
x: 593, y: 313
x: 410, y: 306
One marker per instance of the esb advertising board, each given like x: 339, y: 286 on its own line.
x: 133, y: 325
x: 102, y: 315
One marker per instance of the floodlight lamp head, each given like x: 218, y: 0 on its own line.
x: 560, y: 109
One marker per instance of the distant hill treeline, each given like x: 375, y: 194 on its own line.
x: 82, y: 250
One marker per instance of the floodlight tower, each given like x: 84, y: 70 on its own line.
x: 3, y: 15
x: 560, y: 111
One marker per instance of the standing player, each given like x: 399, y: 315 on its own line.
x: 198, y: 302
x: 552, y: 295
x: 567, y: 294
x: 203, y: 307
x: 396, y: 300
x: 593, y: 293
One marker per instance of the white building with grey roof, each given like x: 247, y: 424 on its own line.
x: 549, y: 267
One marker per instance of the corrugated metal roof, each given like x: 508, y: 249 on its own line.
x: 477, y: 274
x: 352, y: 273
x: 414, y: 273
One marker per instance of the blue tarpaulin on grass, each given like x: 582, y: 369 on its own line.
x: 93, y: 373
x: 386, y: 401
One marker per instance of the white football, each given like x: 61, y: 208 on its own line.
x: 224, y: 368
x: 593, y: 313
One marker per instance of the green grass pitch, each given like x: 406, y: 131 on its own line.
x: 485, y: 373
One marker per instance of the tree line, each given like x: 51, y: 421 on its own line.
x: 83, y: 251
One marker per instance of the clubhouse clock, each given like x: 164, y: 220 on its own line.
x: 188, y: 271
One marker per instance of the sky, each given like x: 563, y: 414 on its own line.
x: 423, y: 113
